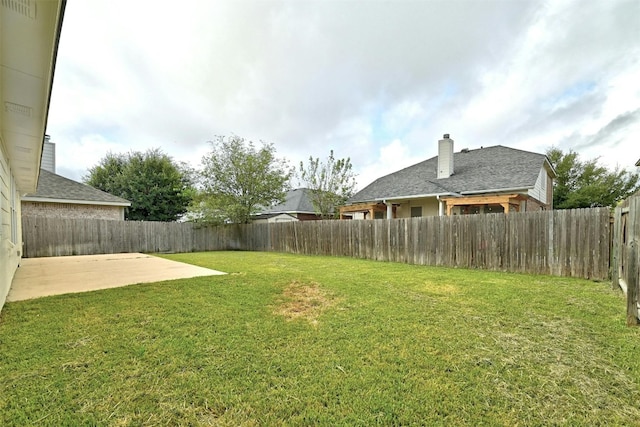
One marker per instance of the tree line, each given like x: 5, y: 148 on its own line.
x: 587, y: 184
x: 238, y: 178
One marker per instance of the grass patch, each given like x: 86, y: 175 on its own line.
x: 294, y: 340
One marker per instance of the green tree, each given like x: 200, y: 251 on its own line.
x: 238, y: 178
x: 204, y: 209
x: 331, y: 183
x: 158, y: 188
x: 583, y: 184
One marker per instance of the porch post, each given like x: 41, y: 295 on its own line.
x: 389, y: 211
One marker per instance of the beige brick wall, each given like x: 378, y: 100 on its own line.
x: 534, y: 205
x: 69, y: 210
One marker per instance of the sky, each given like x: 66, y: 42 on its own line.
x: 379, y: 82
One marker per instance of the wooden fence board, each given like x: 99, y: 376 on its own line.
x: 624, y: 255
x: 565, y: 243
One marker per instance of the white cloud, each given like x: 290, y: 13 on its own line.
x: 391, y: 157
x: 379, y: 82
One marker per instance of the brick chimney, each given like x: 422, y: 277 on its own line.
x: 445, y: 157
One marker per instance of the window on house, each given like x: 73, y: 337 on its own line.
x: 416, y: 211
x: 378, y: 215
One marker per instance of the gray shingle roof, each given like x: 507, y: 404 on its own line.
x: 296, y: 201
x: 53, y: 186
x: 481, y: 170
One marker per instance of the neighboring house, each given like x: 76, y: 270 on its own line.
x: 29, y: 34
x: 296, y: 207
x: 485, y: 180
x: 60, y: 197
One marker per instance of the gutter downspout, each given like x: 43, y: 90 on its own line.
x: 389, y: 209
x: 440, y: 205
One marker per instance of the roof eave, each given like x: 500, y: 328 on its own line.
x: 550, y: 167
x: 290, y: 212
x: 417, y: 196
x: 73, y: 201
x: 498, y: 190
x: 23, y: 137
x: 395, y: 198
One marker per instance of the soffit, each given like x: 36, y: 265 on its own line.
x: 29, y: 32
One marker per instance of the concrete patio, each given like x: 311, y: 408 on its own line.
x: 39, y: 277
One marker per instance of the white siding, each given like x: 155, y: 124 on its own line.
x: 49, y: 157
x: 539, y: 192
x: 277, y: 218
x: 5, y: 186
x: 13, y: 208
x: 10, y: 226
x: 282, y: 218
x: 445, y: 158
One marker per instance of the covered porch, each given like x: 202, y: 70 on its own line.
x: 507, y: 203
x: 367, y: 210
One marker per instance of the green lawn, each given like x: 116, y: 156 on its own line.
x: 297, y: 340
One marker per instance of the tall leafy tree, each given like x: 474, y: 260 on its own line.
x: 238, y: 178
x: 583, y: 184
x: 331, y: 183
x: 158, y: 188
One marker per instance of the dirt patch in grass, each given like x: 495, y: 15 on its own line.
x: 304, y: 301
x: 441, y: 289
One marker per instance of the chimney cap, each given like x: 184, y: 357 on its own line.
x: 446, y: 136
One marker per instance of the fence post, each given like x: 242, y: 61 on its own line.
x: 614, y: 254
x: 632, y: 286
x: 551, y: 255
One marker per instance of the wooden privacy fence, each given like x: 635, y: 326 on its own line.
x: 563, y: 243
x: 625, y: 254
x: 44, y: 237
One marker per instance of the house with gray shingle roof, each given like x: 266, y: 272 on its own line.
x: 60, y: 197
x: 484, y: 180
x: 296, y: 207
